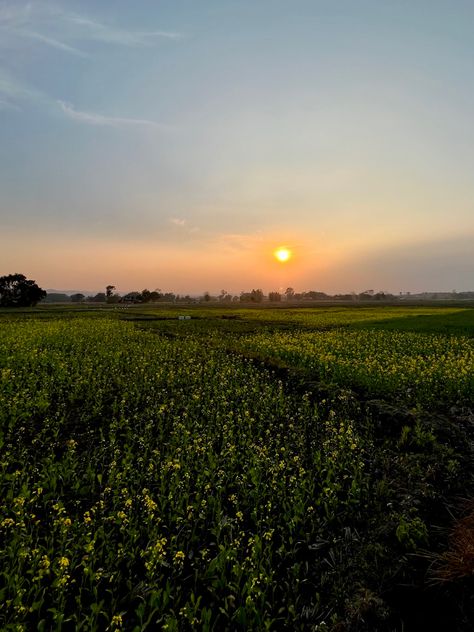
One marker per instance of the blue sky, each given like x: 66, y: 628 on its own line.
x: 175, y: 144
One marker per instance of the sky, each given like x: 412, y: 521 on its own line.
x: 174, y: 144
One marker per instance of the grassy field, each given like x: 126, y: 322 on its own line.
x: 244, y: 469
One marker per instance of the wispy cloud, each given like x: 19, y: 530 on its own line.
x: 12, y: 90
x: 183, y: 227
x: 106, y: 33
x: 49, y: 25
x: 6, y: 105
x: 15, y: 14
x: 54, y: 27
x: 93, y: 118
x: 52, y: 42
x: 177, y: 221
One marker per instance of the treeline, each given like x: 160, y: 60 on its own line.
x: 252, y: 296
x: 18, y: 291
x: 257, y: 296
x: 146, y: 296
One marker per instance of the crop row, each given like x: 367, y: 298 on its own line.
x: 324, y: 317
x: 425, y: 369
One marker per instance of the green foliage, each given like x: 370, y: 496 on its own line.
x: 18, y: 291
x: 158, y: 480
x: 412, y: 532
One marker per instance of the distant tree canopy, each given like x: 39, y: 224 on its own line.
x: 18, y: 291
x: 56, y: 297
x: 255, y: 296
x: 98, y: 298
x: 145, y: 296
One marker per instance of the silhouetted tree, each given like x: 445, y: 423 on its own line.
x: 100, y: 297
x: 18, y: 291
x: 169, y: 297
x: 255, y: 296
x: 56, y: 297
x: 224, y: 296
x: 110, y: 297
x: 155, y: 295
x: 274, y: 297
x: 132, y: 297
x: 313, y: 295
x: 77, y: 298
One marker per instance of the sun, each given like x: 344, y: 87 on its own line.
x: 282, y: 254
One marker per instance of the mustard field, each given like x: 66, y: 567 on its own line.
x: 426, y: 369
x: 240, y: 470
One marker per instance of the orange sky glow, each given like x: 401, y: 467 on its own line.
x: 183, y: 159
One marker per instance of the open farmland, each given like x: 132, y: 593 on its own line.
x: 247, y: 469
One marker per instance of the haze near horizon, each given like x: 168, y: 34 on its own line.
x: 180, y: 144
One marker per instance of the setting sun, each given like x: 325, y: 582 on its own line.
x: 282, y: 254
